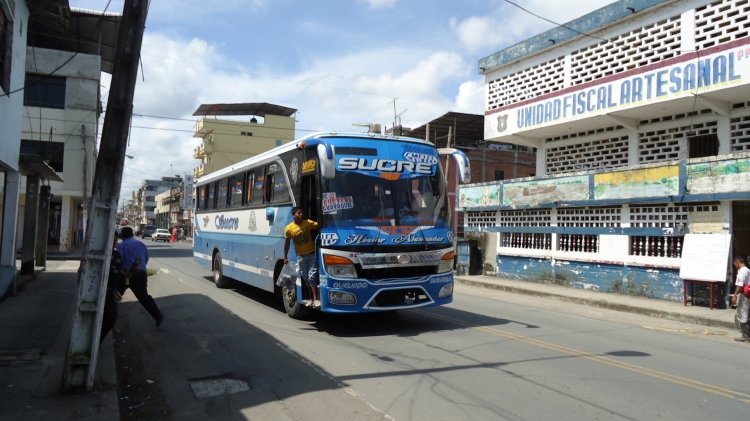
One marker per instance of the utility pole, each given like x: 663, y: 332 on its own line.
x: 83, y: 349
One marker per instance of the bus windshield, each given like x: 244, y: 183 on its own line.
x: 356, y: 199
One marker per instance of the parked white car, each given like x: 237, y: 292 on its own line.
x: 161, y: 234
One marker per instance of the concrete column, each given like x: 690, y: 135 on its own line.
x: 10, y: 219
x: 8, y: 241
x: 42, y: 226
x: 30, y: 225
x: 67, y: 233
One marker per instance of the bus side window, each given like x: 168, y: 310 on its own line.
x: 223, y: 193
x: 257, y: 187
x: 236, y: 196
x: 201, y: 202
x: 249, y: 180
x: 211, y: 197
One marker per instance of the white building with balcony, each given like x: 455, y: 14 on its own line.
x: 640, y: 115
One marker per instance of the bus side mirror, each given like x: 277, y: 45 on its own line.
x: 327, y: 159
x: 270, y: 214
x: 462, y: 163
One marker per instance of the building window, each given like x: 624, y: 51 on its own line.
x: 705, y: 145
x: 579, y: 243
x: 44, y: 91
x: 520, y: 240
x: 499, y: 175
x: 5, y: 50
x: 246, y: 133
x: 50, y: 152
x: 649, y: 245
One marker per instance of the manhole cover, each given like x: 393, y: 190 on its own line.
x: 217, y: 386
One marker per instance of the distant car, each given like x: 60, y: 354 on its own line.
x: 161, y: 234
x: 148, y: 230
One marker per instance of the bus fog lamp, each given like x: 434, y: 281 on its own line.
x: 446, y: 290
x: 340, y: 297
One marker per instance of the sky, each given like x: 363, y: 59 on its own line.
x: 337, y: 62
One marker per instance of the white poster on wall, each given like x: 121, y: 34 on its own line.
x: 705, y: 257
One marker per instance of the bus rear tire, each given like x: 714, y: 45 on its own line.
x: 294, y: 309
x: 219, y: 279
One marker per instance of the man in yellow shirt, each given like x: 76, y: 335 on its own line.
x: 307, y: 264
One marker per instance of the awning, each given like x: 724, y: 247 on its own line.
x: 33, y: 165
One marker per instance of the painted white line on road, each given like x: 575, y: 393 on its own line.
x: 164, y: 270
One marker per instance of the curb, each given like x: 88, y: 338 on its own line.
x: 600, y: 303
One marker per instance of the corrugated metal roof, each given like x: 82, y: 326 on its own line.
x: 466, y: 129
x: 248, y: 108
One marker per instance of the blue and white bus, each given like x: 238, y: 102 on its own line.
x: 385, y: 239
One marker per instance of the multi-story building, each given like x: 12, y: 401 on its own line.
x: 62, y: 111
x: 169, y: 210
x: 148, y: 202
x: 13, y: 15
x: 640, y: 115
x: 226, y: 142
x: 53, y: 65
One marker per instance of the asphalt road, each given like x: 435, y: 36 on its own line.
x: 233, y: 354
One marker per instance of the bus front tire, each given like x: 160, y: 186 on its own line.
x: 294, y: 309
x: 219, y: 279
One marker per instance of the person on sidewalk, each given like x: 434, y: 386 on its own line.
x: 307, y: 263
x: 116, y: 286
x: 741, y: 300
x: 135, y: 257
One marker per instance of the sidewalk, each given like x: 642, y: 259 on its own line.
x: 627, y: 303
x: 34, y: 331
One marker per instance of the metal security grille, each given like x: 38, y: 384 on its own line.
x: 600, y: 217
x: 638, y: 48
x: 595, y: 154
x: 526, y: 84
x: 721, y: 22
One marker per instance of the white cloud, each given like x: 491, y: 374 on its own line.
x: 379, y: 4
x: 470, y: 97
x: 330, y: 94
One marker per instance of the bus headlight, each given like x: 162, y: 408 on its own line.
x: 446, y: 262
x: 340, y: 297
x: 446, y: 290
x: 339, y: 267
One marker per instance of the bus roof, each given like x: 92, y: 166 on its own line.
x: 249, y: 162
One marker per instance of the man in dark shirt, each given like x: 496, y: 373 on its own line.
x: 135, y: 257
x: 116, y: 286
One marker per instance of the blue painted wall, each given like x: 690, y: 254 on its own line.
x: 632, y: 280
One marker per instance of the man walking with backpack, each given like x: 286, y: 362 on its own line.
x: 134, y: 256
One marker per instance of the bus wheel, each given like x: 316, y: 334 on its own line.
x: 219, y: 279
x: 294, y: 309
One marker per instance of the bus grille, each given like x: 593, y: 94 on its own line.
x: 400, y: 298
x: 374, y: 274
